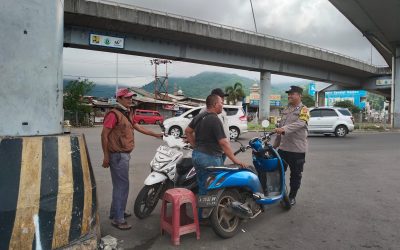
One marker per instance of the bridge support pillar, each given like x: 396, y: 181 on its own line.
x: 31, y: 48
x: 265, y: 89
x: 395, y: 107
x: 48, y: 194
x: 320, y: 102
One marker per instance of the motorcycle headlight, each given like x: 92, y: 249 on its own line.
x: 168, y: 169
x: 157, y: 165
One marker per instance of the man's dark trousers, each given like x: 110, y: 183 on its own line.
x: 296, y: 164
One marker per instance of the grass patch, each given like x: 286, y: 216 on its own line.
x: 369, y: 127
x: 258, y: 127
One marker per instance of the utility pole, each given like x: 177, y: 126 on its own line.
x: 371, y: 54
x: 116, y: 78
x: 254, y: 19
x: 160, y: 82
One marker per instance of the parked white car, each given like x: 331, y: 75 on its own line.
x: 237, y: 121
x: 330, y: 120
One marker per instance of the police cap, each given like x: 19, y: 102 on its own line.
x: 295, y: 89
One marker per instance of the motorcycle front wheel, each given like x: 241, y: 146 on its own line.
x: 225, y: 224
x: 147, y: 200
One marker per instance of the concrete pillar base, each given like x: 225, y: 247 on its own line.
x: 47, y: 192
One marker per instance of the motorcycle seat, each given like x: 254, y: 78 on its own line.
x: 230, y: 167
x: 184, y: 166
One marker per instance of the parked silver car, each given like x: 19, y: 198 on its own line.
x: 330, y: 120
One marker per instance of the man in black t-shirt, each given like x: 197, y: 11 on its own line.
x: 206, y: 134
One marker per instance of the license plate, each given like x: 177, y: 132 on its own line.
x: 166, y: 151
x: 207, y: 201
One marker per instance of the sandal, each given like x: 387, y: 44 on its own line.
x: 126, y: 215
x: 121, y: 226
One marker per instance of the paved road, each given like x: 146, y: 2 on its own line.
x: 349, y: 199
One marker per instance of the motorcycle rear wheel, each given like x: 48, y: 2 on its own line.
x: 146, y: 201
x: 224, y: 223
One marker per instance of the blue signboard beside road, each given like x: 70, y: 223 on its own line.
x: 358, y: 97
x: 311, y: 89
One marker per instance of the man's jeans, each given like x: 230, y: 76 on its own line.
x: 119, y: 168
x: 200, y: 162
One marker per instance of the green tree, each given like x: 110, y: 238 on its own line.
x: 376, y: 101
x: 235, y: 93
x: 348, y: 104
x: 73, y: 98
x: 308, y: 100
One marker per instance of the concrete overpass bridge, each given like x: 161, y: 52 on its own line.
x: 156, y: 34
x: 378, y: 21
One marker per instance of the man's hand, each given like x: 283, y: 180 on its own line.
x: 279, y: 131
x: 104, y: 145
x: 106, y: 162
x: 146, y: 131
x: 242, y: 164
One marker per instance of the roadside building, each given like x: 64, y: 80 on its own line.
x: 253, y: 100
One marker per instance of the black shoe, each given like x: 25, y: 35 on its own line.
x: 292, y: 201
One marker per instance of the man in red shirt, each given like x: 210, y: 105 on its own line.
x: 117, y: 140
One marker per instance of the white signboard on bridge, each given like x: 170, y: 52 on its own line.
x: 383, y: 82
x: 106, y: 41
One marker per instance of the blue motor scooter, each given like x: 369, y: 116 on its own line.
x: 235, y: 194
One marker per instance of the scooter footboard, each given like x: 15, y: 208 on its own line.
x: 269, y: 200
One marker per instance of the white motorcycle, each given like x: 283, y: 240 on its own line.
x: 171, y: 167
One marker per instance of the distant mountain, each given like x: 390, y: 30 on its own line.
x: 198, y: 86
x: 99, y: 90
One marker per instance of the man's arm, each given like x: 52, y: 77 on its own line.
x: 226, y: 147
x: 104, y: 145
x: 300, y: 123
x: 277, y: 141
x: 189, y: 132
x: 292, y: 127
x: 147, y: 131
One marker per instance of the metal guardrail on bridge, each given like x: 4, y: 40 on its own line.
x: 134, y: 7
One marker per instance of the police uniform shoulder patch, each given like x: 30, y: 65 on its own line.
x: 304, y: 114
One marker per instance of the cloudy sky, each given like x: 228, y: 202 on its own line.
x: 314, y: 22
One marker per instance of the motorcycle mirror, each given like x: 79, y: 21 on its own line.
x: 241, y: 144
x: 162, y: 127
x: 265, y: 124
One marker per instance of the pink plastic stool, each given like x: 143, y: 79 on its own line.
x: 179, y: 223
